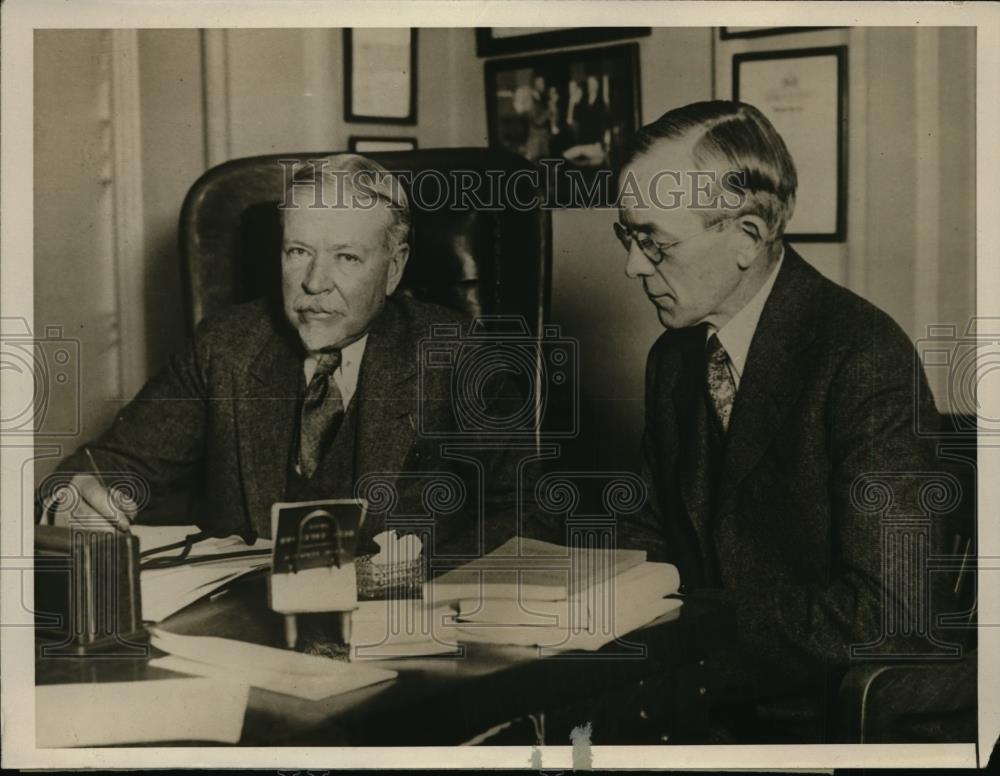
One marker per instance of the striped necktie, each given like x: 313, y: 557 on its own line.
x: 322, y: 413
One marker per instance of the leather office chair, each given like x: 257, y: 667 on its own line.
x: 485, y: 262
x: 930, y: 700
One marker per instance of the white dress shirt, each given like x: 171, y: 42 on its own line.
x: 345, y: 375
x: 738, y: 331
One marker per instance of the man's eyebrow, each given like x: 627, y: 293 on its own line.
x: 335, y: 247
x: 646, y: 226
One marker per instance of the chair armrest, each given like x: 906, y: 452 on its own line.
x: 876, y: 699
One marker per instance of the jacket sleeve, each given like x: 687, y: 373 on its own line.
x: 871, y: 592
x: 159, y: 436
x: 644, y: 530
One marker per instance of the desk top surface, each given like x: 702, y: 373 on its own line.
x: 442, y: 700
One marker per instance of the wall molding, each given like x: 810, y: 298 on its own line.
x: 215, y: 85
x: 128, y: 232
x: 927, y: 257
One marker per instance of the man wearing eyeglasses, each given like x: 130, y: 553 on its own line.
x: 771, y: 392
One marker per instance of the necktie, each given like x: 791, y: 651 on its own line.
x: 721, y: 386
x: 322, y: 412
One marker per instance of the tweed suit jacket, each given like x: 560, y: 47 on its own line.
x: 828, y: 394
x: 225, y: 409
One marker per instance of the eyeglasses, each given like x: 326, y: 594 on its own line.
x: 652, y: 250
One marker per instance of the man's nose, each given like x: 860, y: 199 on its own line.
x: 638, y: 265
x: 318, y: 277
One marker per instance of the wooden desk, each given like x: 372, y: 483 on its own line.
x: 638, y: 698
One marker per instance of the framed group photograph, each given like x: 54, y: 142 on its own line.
x: 380, y: 75
x: 494, y: 41
x: 804, y: 94
x: 570, y: 112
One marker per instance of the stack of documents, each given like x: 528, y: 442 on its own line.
x: 532, y: 593
x: 167, y: 590
x: 279, y: 670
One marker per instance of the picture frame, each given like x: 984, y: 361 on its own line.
x: 374, y: 90
x: 729, y: 33
x: 363, y: 144
x: 570, y: 112
x: 496, y: 41
x: 803, y: 92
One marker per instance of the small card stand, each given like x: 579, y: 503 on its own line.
x: 313, y: 561
x: 87, y: 592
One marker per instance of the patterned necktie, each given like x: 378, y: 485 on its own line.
x: 322, y: 412
x: 721, y: 386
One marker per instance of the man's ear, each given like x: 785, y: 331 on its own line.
x: 397, y: 263
x: 753, y: 236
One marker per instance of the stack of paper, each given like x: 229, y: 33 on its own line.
x: 529, y: 569
x: 110, y: 713
x: 167, y: 590
x: 555, y: 597
x: 279, y: 670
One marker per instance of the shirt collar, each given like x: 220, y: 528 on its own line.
x: 350, y: 360
x: 738, y: 331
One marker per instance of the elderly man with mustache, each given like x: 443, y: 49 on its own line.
x: 315, y: 397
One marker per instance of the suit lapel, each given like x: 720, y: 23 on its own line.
x: 690, y: 416
x: 387, y: 402
x: 266, y: 415
x: 772, y: 380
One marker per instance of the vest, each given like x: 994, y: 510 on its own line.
x: 335, y: 474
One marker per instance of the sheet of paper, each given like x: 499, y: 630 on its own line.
x: 311, y: 687
x: 245, y: 657
x: 165, y: 591
x: 109, y: 713
x: 398, y: 628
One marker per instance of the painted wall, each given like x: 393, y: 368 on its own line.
x: 74, y: 291
x: 911, y: 238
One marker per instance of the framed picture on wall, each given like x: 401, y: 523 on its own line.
x: 364, y: 144
x: 493, y: 41
x: 380, y: 75
x: 725, y: 33
x: 570, y: 112
x: 804, y: 94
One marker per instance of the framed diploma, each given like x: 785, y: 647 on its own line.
x: 804, y: 94
x: 362, y: 145
x: 380, y: 75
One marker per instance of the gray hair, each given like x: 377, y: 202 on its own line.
x: 366, y: 178
x: 739, y: 135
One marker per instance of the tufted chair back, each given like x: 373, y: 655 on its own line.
x: 469, y: 252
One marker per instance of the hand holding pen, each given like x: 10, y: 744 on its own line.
x: 98, y: 505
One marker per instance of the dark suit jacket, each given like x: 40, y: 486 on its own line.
x: 226, y: 408
x: 828, y: 394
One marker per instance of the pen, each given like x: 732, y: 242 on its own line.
x: 100, y: 479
